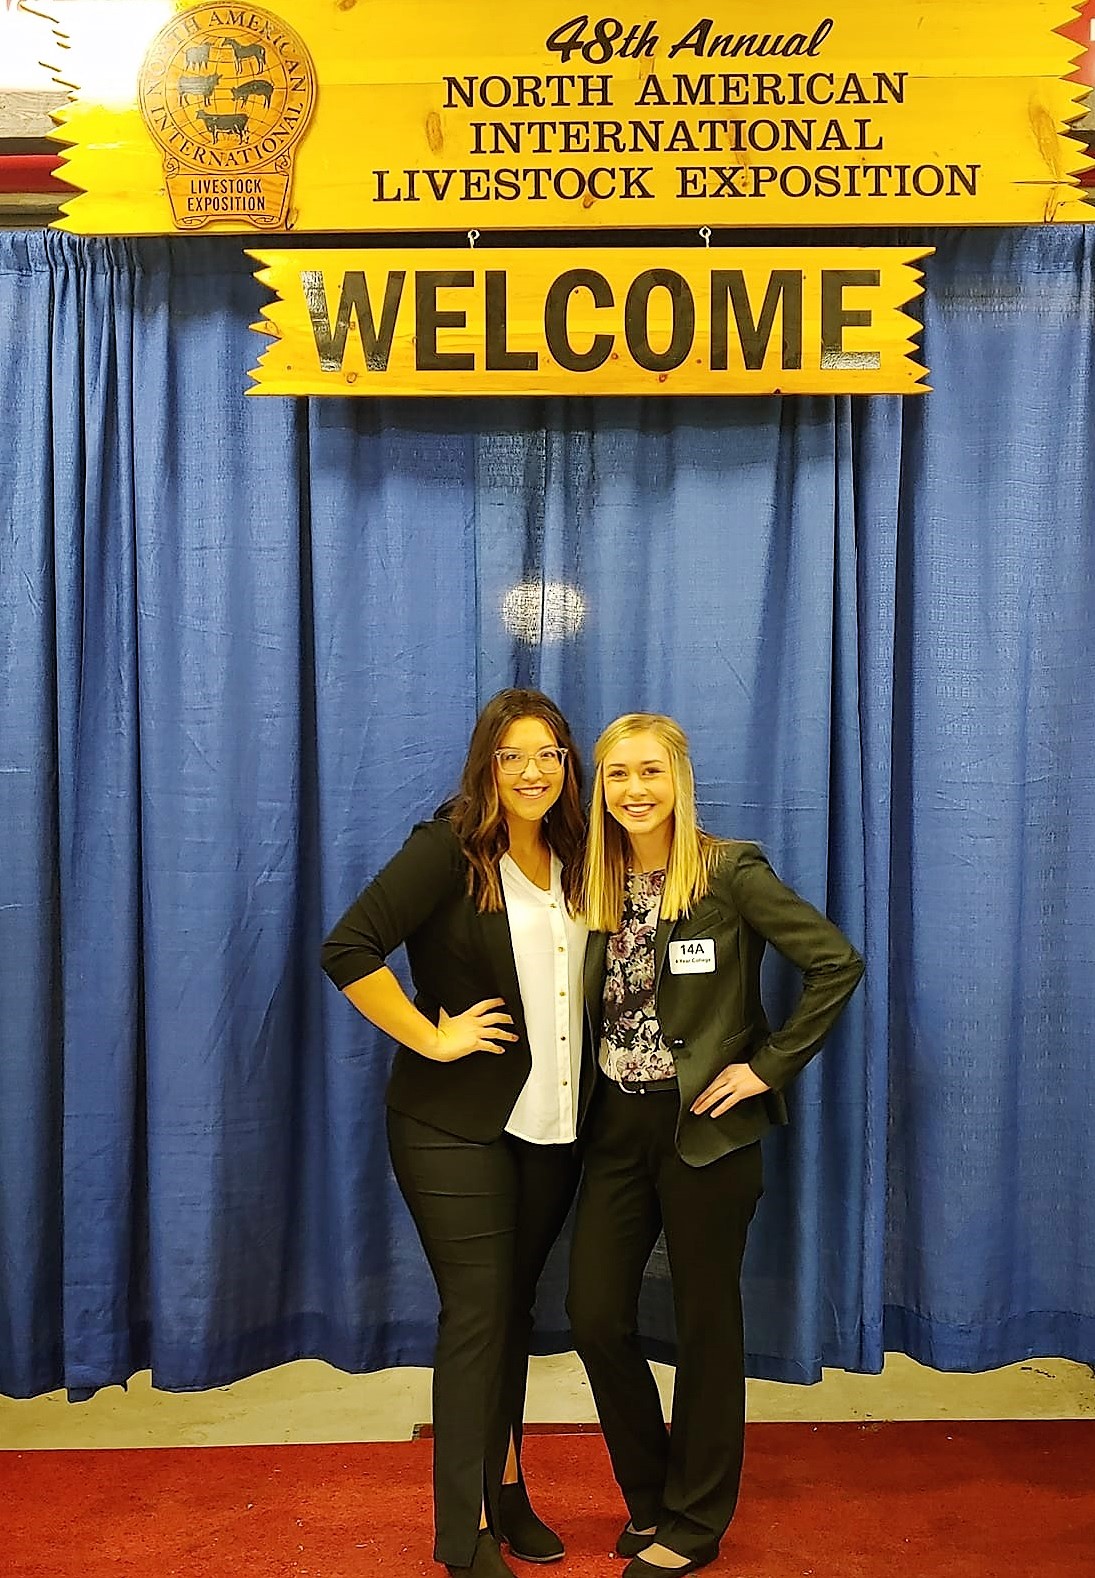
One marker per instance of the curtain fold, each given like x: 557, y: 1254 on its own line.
x: 993, y: 834
x: 243, y: 643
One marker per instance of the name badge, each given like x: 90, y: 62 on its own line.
x: 692, y: 958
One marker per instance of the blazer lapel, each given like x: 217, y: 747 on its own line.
x: 661, y: 943
x: 498, y: 946
x: 596, y: 950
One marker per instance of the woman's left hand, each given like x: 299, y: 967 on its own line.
x: 734, y: 1084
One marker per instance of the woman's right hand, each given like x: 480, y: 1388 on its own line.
x: 478, y: 1029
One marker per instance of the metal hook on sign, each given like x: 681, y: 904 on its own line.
x: 473, y: 237
x: 705, y: 232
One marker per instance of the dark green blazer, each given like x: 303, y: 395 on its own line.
x: 457, y: 957
x: 709, y: 1021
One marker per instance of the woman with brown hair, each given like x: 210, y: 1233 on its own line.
x: 486, y: 1090
x: 690, y: 1077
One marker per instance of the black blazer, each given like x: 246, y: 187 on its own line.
x: 457, y: 957
x: 709, y: 1021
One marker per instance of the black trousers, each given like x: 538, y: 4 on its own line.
x: 683, y: 1482
x: 487, y: 1215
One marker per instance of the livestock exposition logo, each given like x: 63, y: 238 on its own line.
x: 226, y: 92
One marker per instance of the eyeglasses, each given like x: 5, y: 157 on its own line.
x: 549, y: 760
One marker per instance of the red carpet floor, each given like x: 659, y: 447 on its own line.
x: 932, y: 1500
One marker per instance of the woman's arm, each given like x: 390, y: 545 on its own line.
x: 427, y: 871
x: 830, y: 967
x: 384, y: 1003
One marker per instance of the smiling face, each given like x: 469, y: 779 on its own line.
x: 529, y: 795
x: 639, y: 794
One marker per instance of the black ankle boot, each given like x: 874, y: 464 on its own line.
x: 487, y: 1562
x: 526, y: 1535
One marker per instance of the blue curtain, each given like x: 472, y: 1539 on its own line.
x: 242, y: 644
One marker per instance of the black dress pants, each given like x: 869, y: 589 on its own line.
x: 683, y: 1482
x: 487, y: 1215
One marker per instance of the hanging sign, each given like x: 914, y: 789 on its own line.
x: 550, y: 320
x: 227, y: 152
x: 395, y: 115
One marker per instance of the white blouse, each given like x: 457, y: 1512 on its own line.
x: 548, y: 949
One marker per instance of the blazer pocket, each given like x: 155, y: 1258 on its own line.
x: 740, y: 1042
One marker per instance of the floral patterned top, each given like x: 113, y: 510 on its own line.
x: 631, y: 1041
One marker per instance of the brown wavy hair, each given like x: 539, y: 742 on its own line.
x: 476, y: 812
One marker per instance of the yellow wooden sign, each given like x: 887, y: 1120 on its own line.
x: 399, y: 115
x: 622, y: 320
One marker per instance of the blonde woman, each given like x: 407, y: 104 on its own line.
x: 486, y: 1091
x: 690, y: 1077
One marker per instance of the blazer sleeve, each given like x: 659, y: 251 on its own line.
x: 429, y: 870
x: 830, y: 966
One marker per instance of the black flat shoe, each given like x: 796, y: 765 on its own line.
x: 488, y: 1561
x: 631, y: 1542
x: 527, y: 1536
x: 637, y: 1568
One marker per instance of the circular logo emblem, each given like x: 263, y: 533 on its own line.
x: 226, y: 91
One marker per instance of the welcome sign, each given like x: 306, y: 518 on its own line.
x: 618, y: 320
x: 396, y: 115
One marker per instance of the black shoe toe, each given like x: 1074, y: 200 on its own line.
x: 637, y: 1568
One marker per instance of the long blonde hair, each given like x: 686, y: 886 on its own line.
x: 693, y: 854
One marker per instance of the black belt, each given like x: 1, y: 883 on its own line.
x: 646, y: 1087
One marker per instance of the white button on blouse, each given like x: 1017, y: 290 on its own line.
x: 548, y: 950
